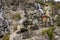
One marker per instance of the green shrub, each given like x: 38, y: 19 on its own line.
x: 49, y: 32
x: 40, y: 1
x: 44, y: 32
x: 58, y: 21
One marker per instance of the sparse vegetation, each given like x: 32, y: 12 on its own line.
x: 49, y: 32
x: 6, y: 37
x: 27, y: 25
x: 58, y: 21
x: 57, y: 6
x: 16, y: 16
x: 40, y: 1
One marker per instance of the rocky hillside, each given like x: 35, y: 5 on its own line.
x: 23, y: 20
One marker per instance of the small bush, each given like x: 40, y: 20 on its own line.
x: 17, y: 17
x: 49, y: 32
x: 6, y: 37
x: 44, y: 32
x: 58, y: 21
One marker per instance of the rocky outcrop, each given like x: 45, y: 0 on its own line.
x: 23, y: 21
